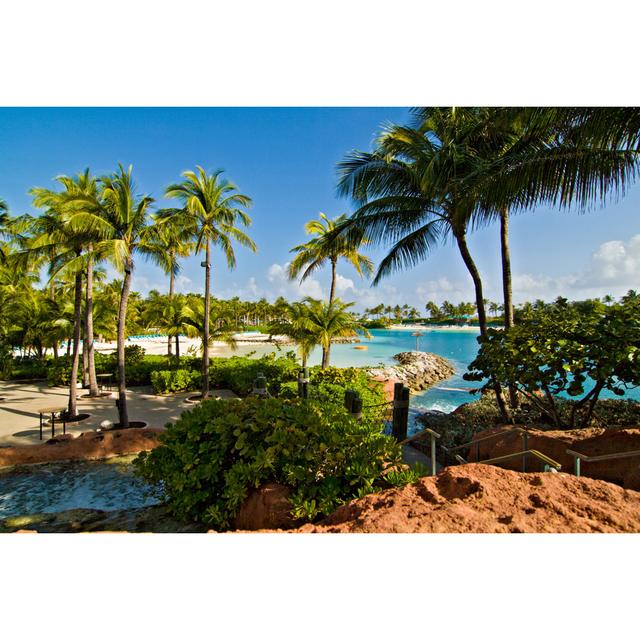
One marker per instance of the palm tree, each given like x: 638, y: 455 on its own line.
x: 172, y: 315
x: 413, y: 192
x: 296, y: 327
x: 53, y: 238
x: 192, y: 322
x: 169, y: 240
x: 326, y: 246
x: 327, y: 321
x: 80, y: 193
x: 555, y: 156
x: 212, y: 209
x: 120, y: 219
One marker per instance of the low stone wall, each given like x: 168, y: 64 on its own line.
x: 416, y: 369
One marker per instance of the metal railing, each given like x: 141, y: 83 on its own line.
x: 607, y: 456
x: 524, y: 434
x: 433, y: 435
x: 549, y: 463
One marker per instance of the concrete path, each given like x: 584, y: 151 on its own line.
x: 19, y: 404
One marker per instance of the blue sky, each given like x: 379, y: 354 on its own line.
x: 285, y: 158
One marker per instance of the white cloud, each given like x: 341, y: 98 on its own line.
x: 613, y: 268
x: 282, y: 286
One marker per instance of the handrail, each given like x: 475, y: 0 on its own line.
x: 433, y: 435
x: 483, y: 439
x: 524, y: 434
x: 549, y: 462
x: 415, y: 436
x: 607, y: 456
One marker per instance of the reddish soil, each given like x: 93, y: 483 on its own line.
x: 484, y: 499
x: 89, y: 445
x: 591, y: 442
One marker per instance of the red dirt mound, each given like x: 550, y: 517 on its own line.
x: 89, y: 445
x: 478, y: 498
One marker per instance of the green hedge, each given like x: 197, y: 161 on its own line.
x: 238, y: 373
x: 214, y: 454
x: 329, y: 385
x: 175, y: 381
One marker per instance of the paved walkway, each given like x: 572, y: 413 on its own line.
x: 19, y: 404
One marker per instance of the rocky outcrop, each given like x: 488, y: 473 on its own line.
x: 593, y: 441
x: 483, y: 499
x: 89, y: 445
x: 417, y: 369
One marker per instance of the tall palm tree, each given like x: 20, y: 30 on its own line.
x: 79, y: 193
x: 325, y: 247
x: 412, y: 191
x: 213, y: 209
x: 169, y: 239
x: 327, y: 321
x: 120, y: 219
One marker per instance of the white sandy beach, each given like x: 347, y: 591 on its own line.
x: 427, y: 327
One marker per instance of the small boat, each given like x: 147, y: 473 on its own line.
x: 361, y: 347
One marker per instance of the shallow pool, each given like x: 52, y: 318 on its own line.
x: 52, y: 487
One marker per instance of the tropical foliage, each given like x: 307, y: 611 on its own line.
x: 569, y: 350
x: 215, y: 454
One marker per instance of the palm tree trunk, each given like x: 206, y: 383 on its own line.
x: 88, y: 323
x: 85, y: 357
x: 207, y: 304
x: 482, y: 316
x: 332, y: 292
x: 326, y: 352
x: 171, y: 286
x: 122, y: 317
x: 507, y: 289
x: 177, y: 346
x: 72, y: 409
x: 506, y: 269
x: 477, y: 281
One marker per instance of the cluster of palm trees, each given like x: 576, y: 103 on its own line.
x: 91, y: 220
x: 456, y: 169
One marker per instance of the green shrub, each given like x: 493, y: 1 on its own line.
x: 238, y: 373
x: 133, y: 354
x: 27, y: 369
x: 329, y: 385
x: 209, y: 459
x: 59, y: 372
x: 175, y: 381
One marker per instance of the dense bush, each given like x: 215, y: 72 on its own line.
x: 59, y: 372
x: 175, y: 380
x: 213, y: 455
x: 375, y: 324
x: 27, y: 369
x: 238, y: 373
x: 329, y: 385
x: 565, y: 350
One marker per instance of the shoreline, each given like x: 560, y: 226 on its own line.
x: 427, y: 327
